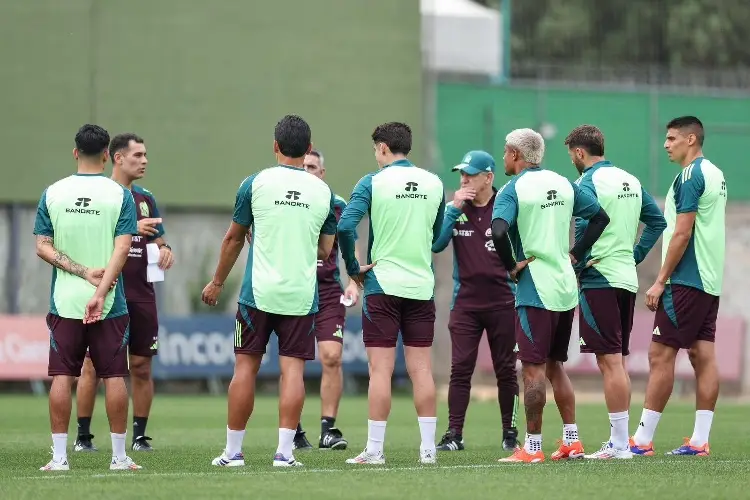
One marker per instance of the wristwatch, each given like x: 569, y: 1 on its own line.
x: 165, y: 245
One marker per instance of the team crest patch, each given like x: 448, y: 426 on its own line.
x: 488, y: 233
x: 143, y: 206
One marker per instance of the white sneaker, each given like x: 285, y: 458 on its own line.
x: 608, y: 451
x: 124, y: 464
x: 280, y: 460
x: 223, y: 460
x: 365, y: 458
x: 56, y: 465
x: 428, y: 457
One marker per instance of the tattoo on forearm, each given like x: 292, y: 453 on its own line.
x: 534, y: 399
x: 61, y: 260
x: 65, y: 263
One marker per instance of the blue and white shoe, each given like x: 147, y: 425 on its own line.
x: 238, y: 460
x: 280, y: 460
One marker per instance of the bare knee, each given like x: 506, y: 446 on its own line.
x: 534, y: 373
x: 88, y: 372
x: 610, y: 363
x: 140, y: 367
x: 553, y: 369
x: 701, y: 354
x: 330, y: 356
x: 418, y: 362
x: 660, y: 355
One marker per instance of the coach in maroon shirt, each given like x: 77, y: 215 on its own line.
x: 483, y: 300
x: 128, y: 154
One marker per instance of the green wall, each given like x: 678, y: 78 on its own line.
x: 204, y: 83
x: 471, y: 116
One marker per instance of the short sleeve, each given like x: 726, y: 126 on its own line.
x: 688, y: 189
x: 506, y: 204
x: 243, y: 214
x: 43, y: 223
x: 585, y: 205
x: 330, y: 224
x: 127, y: 223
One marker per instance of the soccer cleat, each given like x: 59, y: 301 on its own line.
x: 520, y: 455
x: 366, y: 458
x: 428, y: 457
x: 280, y: 460
x: 84, y: 443
x: 124, y: 464
x: 568, y: 451
x: 510, y: 439
x: 141, y: 444
x: 644, y: 451
x: 608, y: 451
x: 333, y: 440
x: 451, y: 441
x: 223, y: 460
x: 690, y: 450
x: 56, y: 465
x: 301, y: 442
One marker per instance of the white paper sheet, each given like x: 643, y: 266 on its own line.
x: 153, y: 272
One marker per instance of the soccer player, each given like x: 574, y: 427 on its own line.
x: 686, y: 293
x: 329, y: 330
x: 84, y: 226
x: 291, y: 214
x: 607, y: 275
x: 405, y: 205
x: 128, y: 155
x: 534, y: 209
x: 483, y: 300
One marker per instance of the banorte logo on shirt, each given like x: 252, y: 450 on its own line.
x: 552, y: 196
x: 82, y: 203
x: 291, y: 200
x: 411, y: 192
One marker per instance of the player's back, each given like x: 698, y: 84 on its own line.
x: 83, y: 211
x: 545, y: 203
x: 620, y: 194
x: 289, y: 207
x: 704, y: 191
x: 405, y: 204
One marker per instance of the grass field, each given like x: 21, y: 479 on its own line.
x: 189, y: 431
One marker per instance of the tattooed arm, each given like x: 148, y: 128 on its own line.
x: 46, y: 250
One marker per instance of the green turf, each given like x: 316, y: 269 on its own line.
x: 190, y: 431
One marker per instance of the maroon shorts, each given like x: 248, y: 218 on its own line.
x: 384, y: 316
x: 253, y: 329
x: 685, y: 314
x: 329, y: 321
x: 144, y: 329
x: 107, y: 341
x: 606, y: 320
x: 543, y: 335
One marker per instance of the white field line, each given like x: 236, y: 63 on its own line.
x: 300, y: 470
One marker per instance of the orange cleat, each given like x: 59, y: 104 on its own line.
x: 644, y: 451
x: 520, y: 455
x: 568, y: 451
